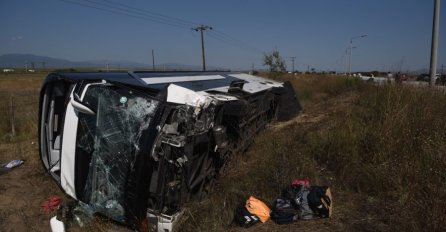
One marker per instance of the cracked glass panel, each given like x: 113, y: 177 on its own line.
x: 108, y: 143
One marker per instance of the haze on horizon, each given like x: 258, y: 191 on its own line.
x: 316, y: 32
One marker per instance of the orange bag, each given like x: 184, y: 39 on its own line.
x: 258, y: 208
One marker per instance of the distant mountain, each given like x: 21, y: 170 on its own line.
x: 22, y: 60
x: 419, y: 71
x: 174, y: 66
x: 28, y: 60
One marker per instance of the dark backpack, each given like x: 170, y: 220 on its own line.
x: 305, y: 211
x: 298, y: 195
x: 320, y: 201
x: 294, y: 194
x: 244, y: 218
x: 283, y: 211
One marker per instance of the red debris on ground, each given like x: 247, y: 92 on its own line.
x: 51, y: 204
x: 303, y: 182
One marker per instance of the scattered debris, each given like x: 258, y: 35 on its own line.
x: 10, y: 165
x: 14, y: 163
x: 51, y: 204
x: 56, y: 225
x: 74, y: 214
x: 303, y: 182
x: 298, y: 201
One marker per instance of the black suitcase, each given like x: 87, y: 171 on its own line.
x: 244, y: 218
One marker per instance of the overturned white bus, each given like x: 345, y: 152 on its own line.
x: 135, y: 146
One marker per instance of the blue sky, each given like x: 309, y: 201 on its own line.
x: 316, y: 32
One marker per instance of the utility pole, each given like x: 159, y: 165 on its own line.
x: 433, y: 66
x: 345, y: 62
x: 153, y: 60
x: 292, y: 60
x: 350, y: 59
x: 202, y: 28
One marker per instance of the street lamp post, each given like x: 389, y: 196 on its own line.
x: 434, y: 45
x: 350, y: 54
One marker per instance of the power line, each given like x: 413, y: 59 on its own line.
x: 236, y: 42
x: 130, y: 11
x: 229, y: 42
x: 121, y: 12
x: 144, y: 14
x: 126, y: 10
x: 178, y: 20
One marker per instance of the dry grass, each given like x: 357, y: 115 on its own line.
x: 391, y: 148
x: 22, y: 90
x: 382, y: 150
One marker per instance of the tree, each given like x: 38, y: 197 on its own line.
x: 274, y: 61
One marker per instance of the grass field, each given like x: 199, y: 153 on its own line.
x: 381, y: 149
x: 18, y: 110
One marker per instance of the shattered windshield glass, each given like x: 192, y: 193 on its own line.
x: 107, y: 145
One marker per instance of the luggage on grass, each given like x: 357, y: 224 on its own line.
x: 244, y: 218
x: 294, y: 194
x: 320, y: 201
x: 283, y: 211
x: 298, y: 195
x: 305, y: 212
x: 258, y: 208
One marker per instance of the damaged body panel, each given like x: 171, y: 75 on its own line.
x: 141, y: 144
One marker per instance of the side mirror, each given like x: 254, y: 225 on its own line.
x: 80, y: 107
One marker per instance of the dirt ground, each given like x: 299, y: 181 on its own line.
x: 22, y: 190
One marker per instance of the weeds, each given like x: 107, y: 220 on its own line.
x: 311, y: 88
x: 392, y: 147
